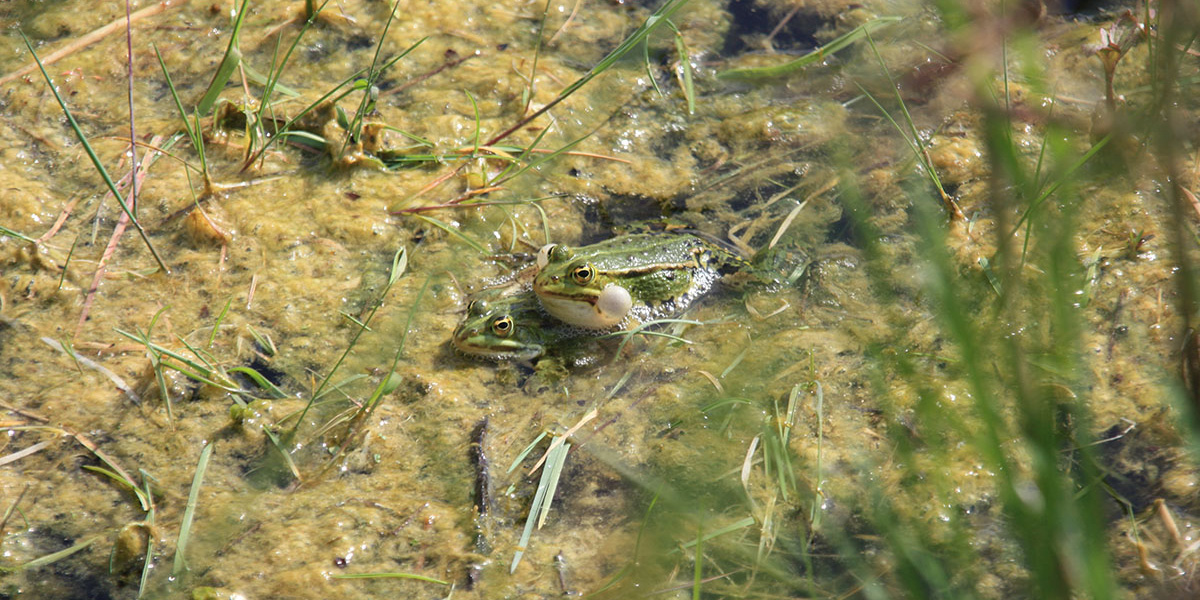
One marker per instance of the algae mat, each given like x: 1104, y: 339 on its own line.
x: 964, y: 380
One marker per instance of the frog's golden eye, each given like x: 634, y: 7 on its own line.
x: 583, y: 274
x: 502, y: 326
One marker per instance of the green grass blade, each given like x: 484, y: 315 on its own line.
x: 212, y: 336
x: 258, y: 378
x: 264, y: 341
x: 454, y: 232
x: 399, y: 265
x: 229, y: 64
x: 256, y: 76
x: 112, y: 187
x: 551, y: 471
x: 390, y: 576
x: 67, y: 263
x: 655, y: 20
x: 389, y: 382
x: 192, y: 132
x: 50, y: 559
x: 16, y: 234
x: 283, y: 453
x: 541, y: 159
x: 520, y: 457
x: 368, y: 100
x: 554, y: 463
x: 311, y: 12
x: 698, y: 562
x: 685, y: 64
x: 148, y: 563
x: 1049, y: 191
x: 736, y: 525
x: 125, y: 483
x: 189, y: 512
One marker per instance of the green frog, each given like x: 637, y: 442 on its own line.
x: 501, y: 325
x: 643, y: 275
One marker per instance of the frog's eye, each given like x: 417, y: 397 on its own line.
x: 503, y: 326
x: 583, y: 274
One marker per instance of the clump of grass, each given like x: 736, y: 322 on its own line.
x: 1028, y: 393
x: 99, y: 166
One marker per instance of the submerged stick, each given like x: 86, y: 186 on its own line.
x: 483, y: 485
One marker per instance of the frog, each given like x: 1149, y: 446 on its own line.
x: 504, y: 325
x: 633, y: 277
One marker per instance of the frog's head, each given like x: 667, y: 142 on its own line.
x: 574, y: 291
x: 498, y: 330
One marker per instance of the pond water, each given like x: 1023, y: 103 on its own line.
x: 968, y: 392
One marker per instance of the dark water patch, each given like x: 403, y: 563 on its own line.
x: 753, y: 23
x: 72, y: 578
x: 601, y: 219
x: 1136, y: 464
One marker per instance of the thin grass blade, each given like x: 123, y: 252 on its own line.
x: 112, y: 187
x: 189, y: 512
x: 229, y: 64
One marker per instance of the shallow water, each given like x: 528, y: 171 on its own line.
x: 780, y: 426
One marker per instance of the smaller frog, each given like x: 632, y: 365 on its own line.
x: 647, y: 275
x: 503, y: 326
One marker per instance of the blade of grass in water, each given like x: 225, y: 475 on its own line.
x: 16, y: 234
x: 659, y: 17
x: 911, y: 136
x: 556, y: 457
x: 125, y: 483
x: 212, y: 336
x: 685, y: 65
x: 643, y: 330
x: 193, y: 131
x: 189, y: 512
x: 112, y: 187
x: 62, y: 277
x: 368, y: 100
x: 149, y: 556
x: 454, y: 232
x: 390, y: 381
x: 708, y: 535
x: 521, y: 457
x: 258, y: 378
x: 390, y: 576
x: 399, y: 265
x: 229, y: 64
x: 50, y: 559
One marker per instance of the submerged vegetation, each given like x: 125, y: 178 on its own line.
x: 974, y: 373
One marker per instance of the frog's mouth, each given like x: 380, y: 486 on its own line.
x: 604, y: 310
x: 497, y: 350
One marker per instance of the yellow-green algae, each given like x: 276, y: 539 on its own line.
x: 311, y: 241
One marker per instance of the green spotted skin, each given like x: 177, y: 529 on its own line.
x: 641, y: 275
